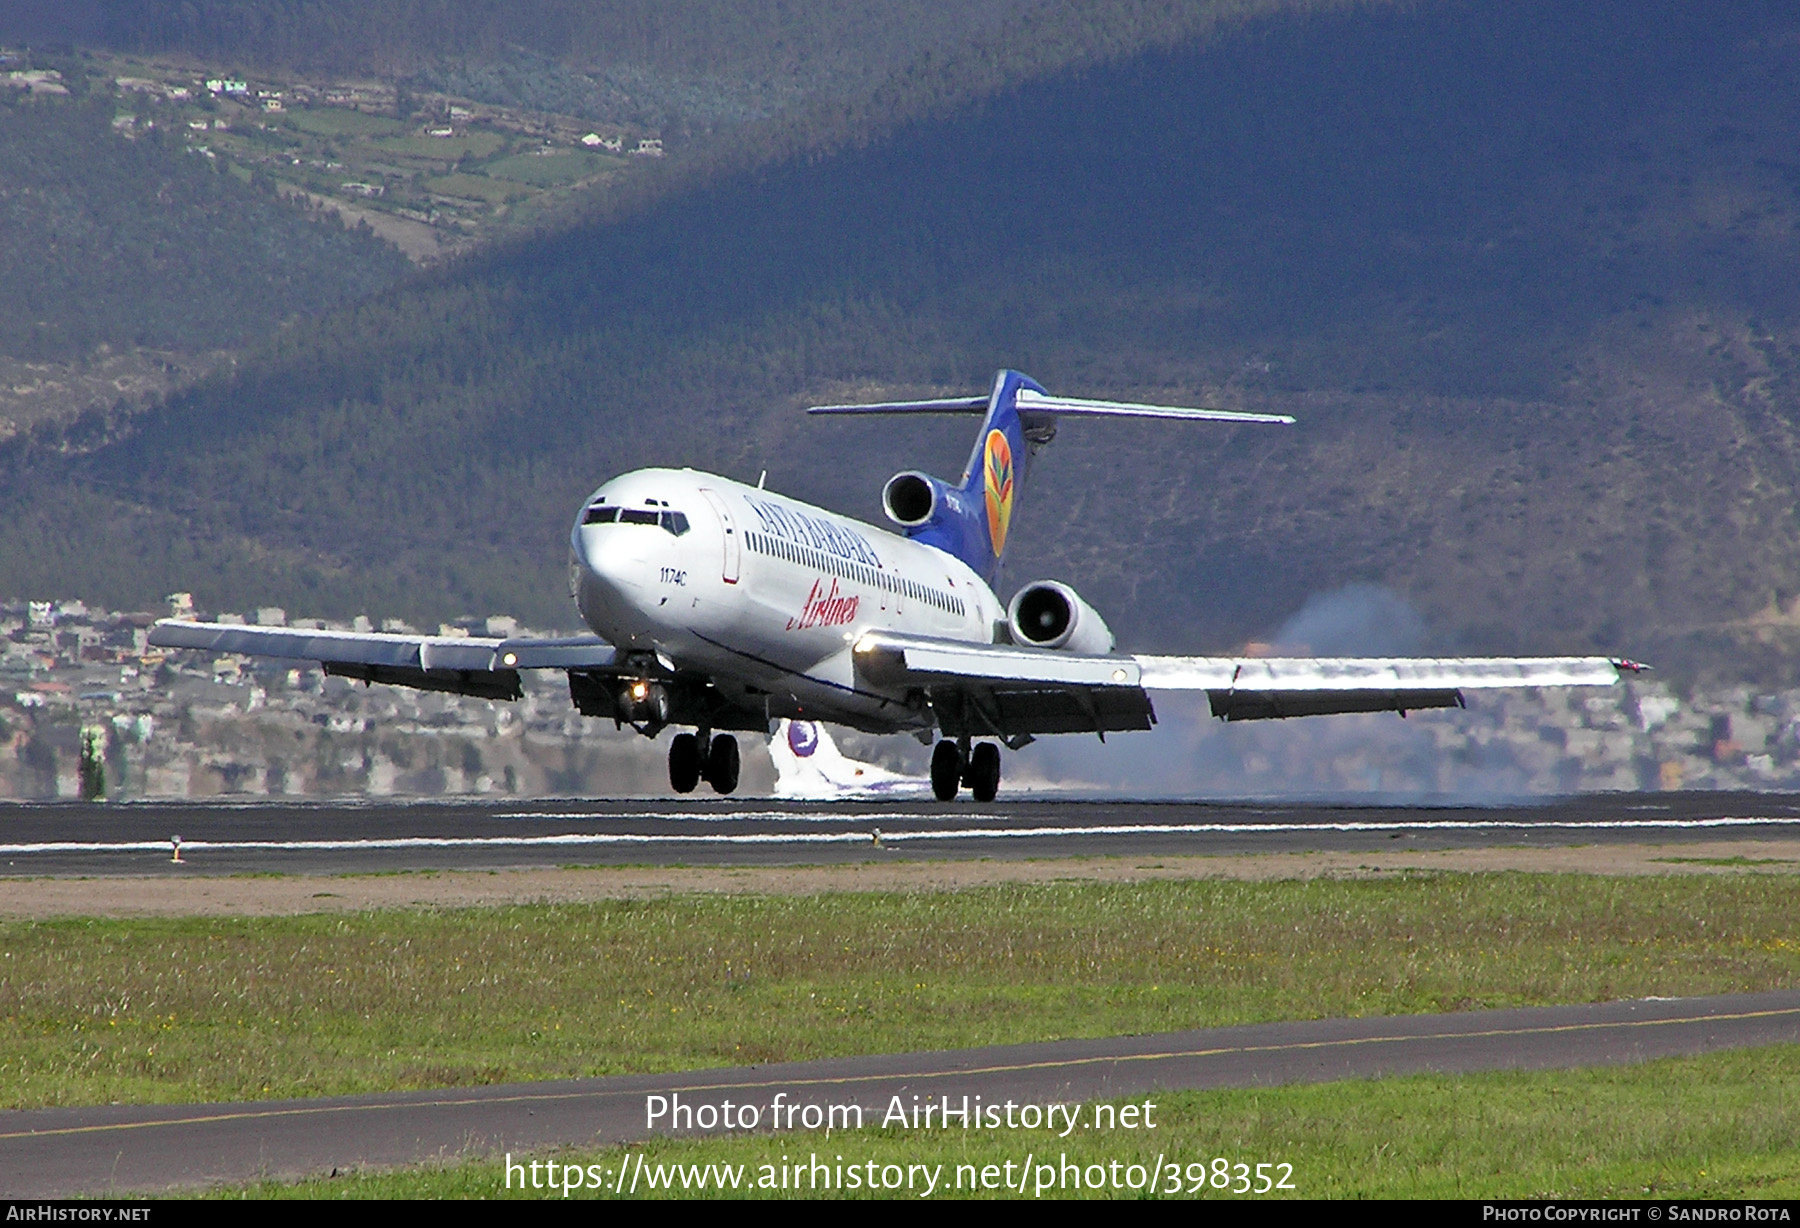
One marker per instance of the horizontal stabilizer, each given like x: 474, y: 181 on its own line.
x: 1031, y: 403
x: 955, y: 405
x: 1037, y: 404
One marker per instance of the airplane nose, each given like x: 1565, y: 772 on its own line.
x: 614, y: 559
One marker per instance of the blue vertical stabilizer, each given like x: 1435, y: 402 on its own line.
x: 973, y: 520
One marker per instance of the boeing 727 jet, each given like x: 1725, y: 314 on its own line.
x: 719, y: 607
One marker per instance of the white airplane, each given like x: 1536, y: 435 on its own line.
x: 725, y: 607
x: 809, y: 766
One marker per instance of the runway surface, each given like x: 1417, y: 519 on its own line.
x: 51, y: 1152
x: 328, y: 838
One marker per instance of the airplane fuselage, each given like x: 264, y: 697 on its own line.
x: 765, y: 592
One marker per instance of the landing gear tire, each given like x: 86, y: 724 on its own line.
x: 946, y: 771
x: 684, y: 763
x: 722, y: 764
x: 984, y: 771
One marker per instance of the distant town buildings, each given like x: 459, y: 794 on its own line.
x: 190, y: 724
x: 176, y: 725
x: 35, y: 81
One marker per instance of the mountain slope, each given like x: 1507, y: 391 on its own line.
x: 1527, y: 276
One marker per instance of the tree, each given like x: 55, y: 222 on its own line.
x: 93, y: 763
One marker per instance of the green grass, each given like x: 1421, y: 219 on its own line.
x: 474, y: 187
x: 341, y: 122
x: 172, y: 1010
x: 1718, y: 1126
x: 552, y: 171
x: 443, y: 149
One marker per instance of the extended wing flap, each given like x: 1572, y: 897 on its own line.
x: 1010, y: 692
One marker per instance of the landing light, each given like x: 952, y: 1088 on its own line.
x: 511, y: 658
x: 866, y: 644
x: 1118, y: 675
x: 639, y: 690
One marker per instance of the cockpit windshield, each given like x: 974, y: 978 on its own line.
x: 675, y: 523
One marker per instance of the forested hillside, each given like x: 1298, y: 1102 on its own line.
x: 136, y: 242
x: 1525, y: 272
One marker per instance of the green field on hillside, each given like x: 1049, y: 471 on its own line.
x: 471, y: 144
x: 474, y: 187
x: 341, y: 122
x: 549, y: 171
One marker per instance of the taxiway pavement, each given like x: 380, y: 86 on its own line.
x: 118, y: 1149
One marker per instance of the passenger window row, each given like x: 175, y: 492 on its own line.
x: 806, y: 556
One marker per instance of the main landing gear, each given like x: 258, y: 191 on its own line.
x: 980, y: 772
x: 718, y: 766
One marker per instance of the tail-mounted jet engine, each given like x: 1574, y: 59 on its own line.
x: 911, y: 499
x: 1049, y: 614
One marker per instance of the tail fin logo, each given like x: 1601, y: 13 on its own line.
x: 998, y: 468
x: 802, y: 738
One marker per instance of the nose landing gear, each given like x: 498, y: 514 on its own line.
x: 980, y: 772
x: 718, y: 765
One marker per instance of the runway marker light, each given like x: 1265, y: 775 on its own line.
x: 877, y: 838
x: 175, y: 841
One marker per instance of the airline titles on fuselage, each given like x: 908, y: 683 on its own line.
x: 814, y: 531
x: 825, y: 609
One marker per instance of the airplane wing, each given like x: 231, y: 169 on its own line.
x: 1014, y: 692
x: 1260, y: 688
x: 480, y: 666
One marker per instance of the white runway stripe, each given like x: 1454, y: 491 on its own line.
x: 756, y: 816
x: 864, y: 835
